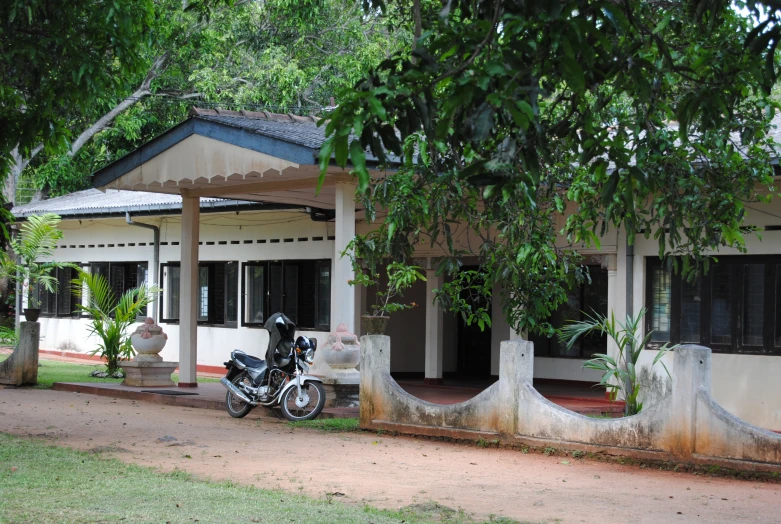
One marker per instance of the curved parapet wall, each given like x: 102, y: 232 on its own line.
x: 382, y: 399
x: 685, y: 425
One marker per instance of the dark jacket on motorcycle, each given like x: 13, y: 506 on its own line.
x: 281, y: 331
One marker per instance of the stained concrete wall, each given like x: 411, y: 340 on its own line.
x: 21, y: 368
x: 684, y: 424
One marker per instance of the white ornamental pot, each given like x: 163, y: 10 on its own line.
x: 148, y: 340
x: 342, y: 349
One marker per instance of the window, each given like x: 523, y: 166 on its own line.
x: 299, y: 288
x: 122, y: 276
x: 217, y: 295
x: 734, y: 308
x: 586, y: 298
x: 62, y: 302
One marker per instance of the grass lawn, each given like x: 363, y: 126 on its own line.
x: 328, y: 424
x: 52, y: 371
x: 43, y: 483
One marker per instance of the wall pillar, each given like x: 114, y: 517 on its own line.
x: 435, y: 320
x: 516, y: 368
x: 21, y: 368
x: 692, y: 365
x: 342, y: 295
x: 188, y: 292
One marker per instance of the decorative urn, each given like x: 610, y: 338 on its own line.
x: 148, y: 340
x: 338, y: 358
x: 342, y: 351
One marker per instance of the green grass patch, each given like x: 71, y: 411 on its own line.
x: 601, y: 415
x: 51, y: 371
x: 43, y: 483
x: 328, y: 424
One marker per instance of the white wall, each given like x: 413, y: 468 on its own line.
x: 749, y: 386
x: 214, y: 343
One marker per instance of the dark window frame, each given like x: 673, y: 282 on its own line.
x: 130, y: 275
x: 57, y: 298
x: 316, y: 265
x: 217, y: 308
x: 552, y: 348
x: 736, y: 271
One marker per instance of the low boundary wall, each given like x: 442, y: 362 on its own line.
x: 686, y: 425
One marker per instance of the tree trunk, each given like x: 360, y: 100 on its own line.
x: 9, y: 190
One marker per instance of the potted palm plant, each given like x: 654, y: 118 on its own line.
x: 36, y: 242
x: 111, y: 316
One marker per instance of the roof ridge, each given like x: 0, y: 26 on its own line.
x: 259, y: 115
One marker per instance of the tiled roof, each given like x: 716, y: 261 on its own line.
x: 301, y: 130
x: 95, y: 202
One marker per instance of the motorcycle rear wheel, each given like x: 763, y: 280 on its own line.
x: 237, y: 408
x: 292, y: 412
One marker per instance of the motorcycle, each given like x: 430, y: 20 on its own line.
x: 281, y: 379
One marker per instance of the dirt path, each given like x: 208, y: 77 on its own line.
x: 379, y: 470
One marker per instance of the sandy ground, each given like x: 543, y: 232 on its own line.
x: 380, y: 470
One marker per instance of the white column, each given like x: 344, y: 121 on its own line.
x: 435, y: 320
x: 611, y: 264
x: 360, y: 305
x: 342, y: 294
x: 188, y: 292
x: 500, y: 329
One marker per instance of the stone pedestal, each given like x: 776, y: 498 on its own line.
x: 336, y: 363
x: 341, y: 395
x: 21, y: 368
x: 147, y: 369
x: 148, y: 374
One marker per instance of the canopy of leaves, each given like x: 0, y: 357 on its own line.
x: 529, y: 122
x: 275, y: 55
x: 59, y: 57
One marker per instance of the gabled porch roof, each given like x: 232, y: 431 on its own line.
x: 254, y: 156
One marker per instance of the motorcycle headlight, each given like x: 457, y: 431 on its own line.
x: 309, y: 356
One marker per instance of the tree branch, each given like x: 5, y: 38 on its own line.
x: 143, y: 90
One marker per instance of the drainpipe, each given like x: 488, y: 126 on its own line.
x: 155, y: 256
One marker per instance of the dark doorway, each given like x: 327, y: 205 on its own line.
x: 474, y: 346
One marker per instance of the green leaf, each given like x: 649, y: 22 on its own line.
x: 377, y: 109
x: 573, y: 73
x: 358, y: 158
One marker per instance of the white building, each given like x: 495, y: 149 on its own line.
x: 264, y: 240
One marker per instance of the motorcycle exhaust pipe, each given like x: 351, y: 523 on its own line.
x: 236, y: 391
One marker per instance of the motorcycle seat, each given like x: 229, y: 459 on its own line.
x: 249, y: 361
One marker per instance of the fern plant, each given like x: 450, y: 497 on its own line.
x: 619, y: 375
x: 111, y: 316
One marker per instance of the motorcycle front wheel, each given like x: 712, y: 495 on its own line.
x: 237, y: 408
x: 307, y: 407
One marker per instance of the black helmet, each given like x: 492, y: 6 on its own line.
x: 303, y: 343
x: 306, y: 348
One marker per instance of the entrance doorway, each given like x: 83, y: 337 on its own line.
x: 474, y: 345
